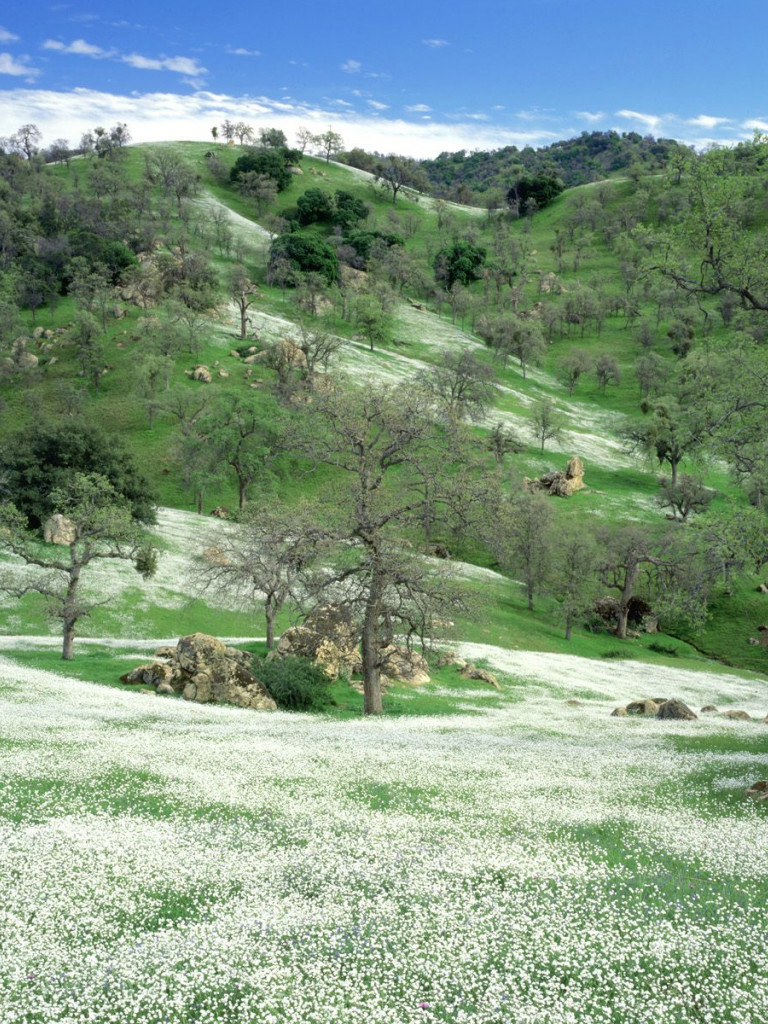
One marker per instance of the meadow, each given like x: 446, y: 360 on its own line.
x: 510, y: 861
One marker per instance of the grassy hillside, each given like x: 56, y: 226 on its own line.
x: 560, y: 251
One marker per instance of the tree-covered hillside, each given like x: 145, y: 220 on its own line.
x: 251, y: 322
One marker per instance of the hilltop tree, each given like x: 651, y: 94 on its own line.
x: 102, y: 528
x: 305, y: 138
x: 330, y: 142
x: 398, y: 173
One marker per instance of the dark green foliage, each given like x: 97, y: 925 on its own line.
x: 363, y: 241
x: 307, y: 254
x: 102, y: 252
x: 295, y: 684
x: 461, y: 261
x: 348, y: 209
x: 535, y: 191
x: 588, y: 157
x: 315, y: 206
x: 274, y: 162
x: 36, y: 462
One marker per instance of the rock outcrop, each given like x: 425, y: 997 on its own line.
x: 328, y: 637
x: 59, y: 530
x: 559, y: 483
x: 203, y: 669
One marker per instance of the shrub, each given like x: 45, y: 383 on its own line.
x: 295, y: 684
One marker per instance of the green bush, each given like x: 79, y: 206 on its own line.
x: 295, y: 684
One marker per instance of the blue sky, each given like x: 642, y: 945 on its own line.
x: 416, y: 77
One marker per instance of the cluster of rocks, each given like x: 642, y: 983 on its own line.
x: 328, y: 637
x: 558, y: 483
x: 203, y: 669
x: 468, y: 670
x: 664, y: 707
x: 21, y: 358
x: 204, y: 374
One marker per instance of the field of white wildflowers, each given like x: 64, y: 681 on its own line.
x: 168, y: 862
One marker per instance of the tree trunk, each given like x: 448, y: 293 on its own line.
x: 69, y: 614
x: 269, y: 614
x: 372, y: 704
x: 568, y: 626
x: 621, y: 621
x: 68, y: 648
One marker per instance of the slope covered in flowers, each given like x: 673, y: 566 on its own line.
x: 540, y: 863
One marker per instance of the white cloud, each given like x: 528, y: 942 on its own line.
x: 6, y: 36
x: 590, y: 116
x: 706, y: 121
x: 651, y: 121
x: 10, y: 65
x: 240, y: 51
x: 755, y: 125
x: 352, y: 67
x: 418, y: 108
x: 182, y: 65
x: 162, y: 116
x: 435, y: 43
x: 377, y: 106
x: 79, y: 47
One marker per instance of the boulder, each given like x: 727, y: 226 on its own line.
x: 451, y: 659
x: 328, y: 637
x: 282, y: 353
x: 203, y: 374
x: 59, y: 530
x: 558, y: 482
x: 203, y: 669
x: 573, y: 703
x: 758, y: 791
x: 708, y: 709
x: 619, y: 713
x: 736, y: 716
x: 676, y: 709
x: 642, y: 707
x: 403, y: 665
x: 482, y: 675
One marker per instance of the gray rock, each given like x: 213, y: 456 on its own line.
x: 676, y: 709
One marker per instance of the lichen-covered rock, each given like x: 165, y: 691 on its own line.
x: 59, y: 530
x: 482, y: 675
x: 404, y: 665
x: 203, y: 669
x: 559, y: 483
x: 736, y: 716
x: 708, y: 709
x: 619, y: 713
x: 328, y: 637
